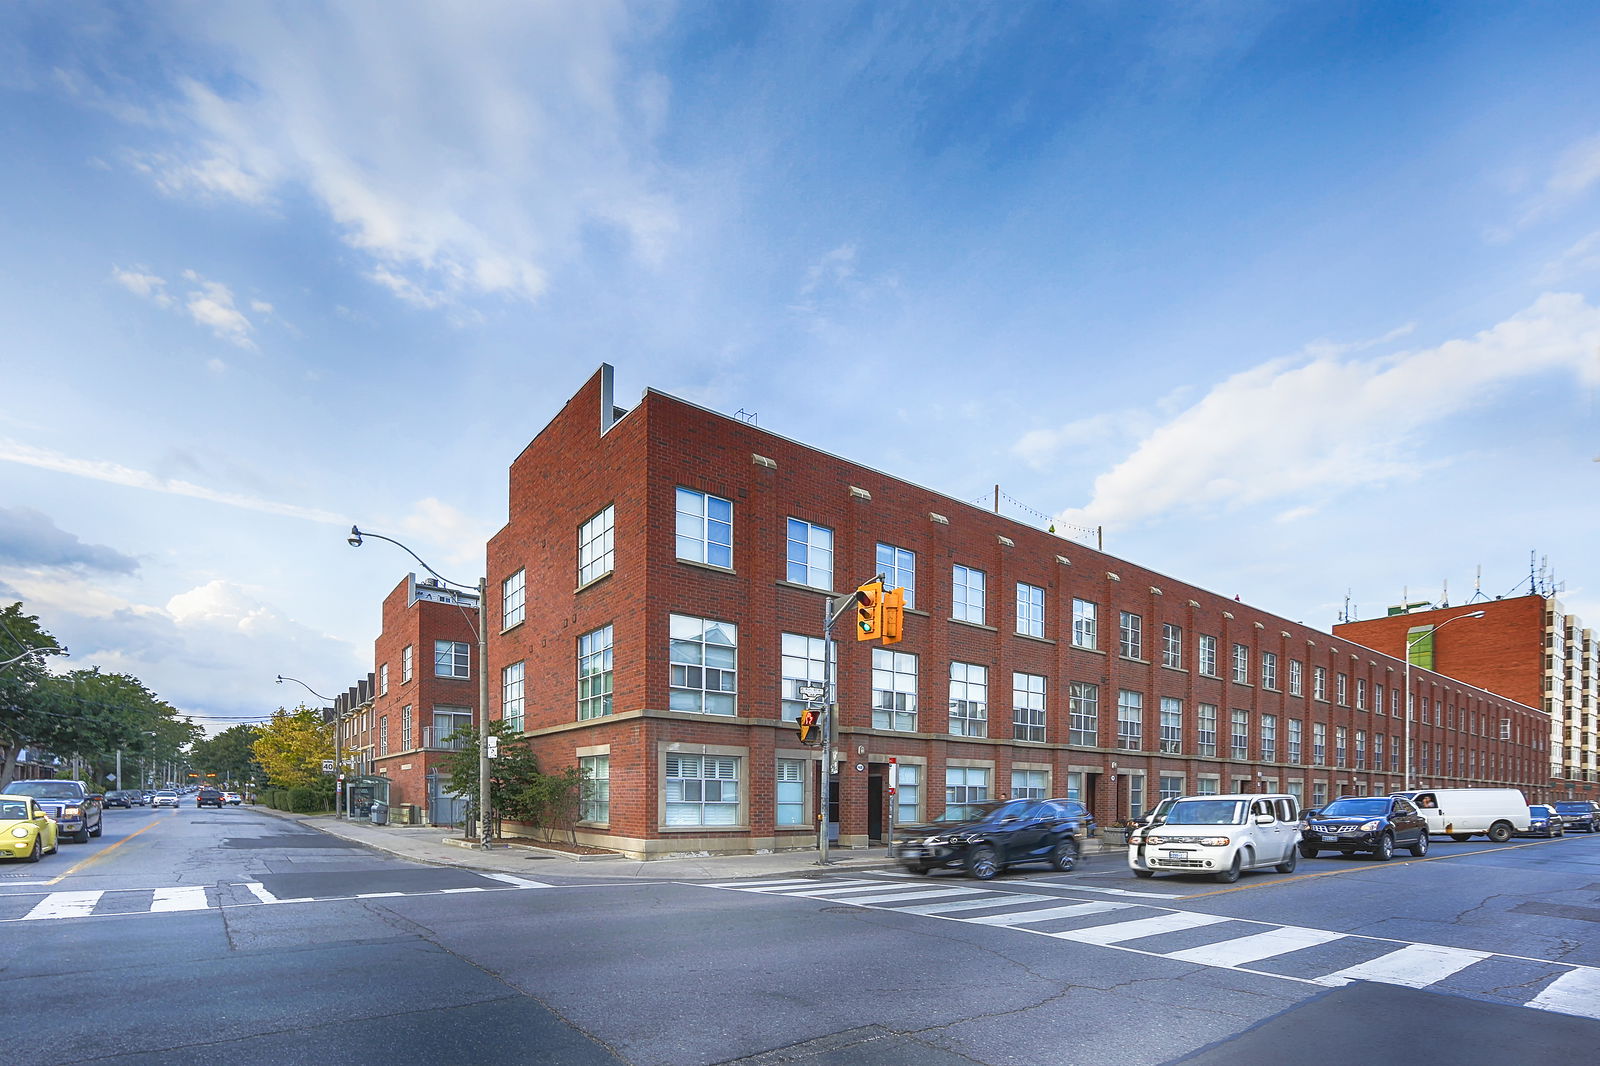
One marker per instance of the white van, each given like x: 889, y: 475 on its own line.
x: 1220, y: 836
x: 1463, y: 813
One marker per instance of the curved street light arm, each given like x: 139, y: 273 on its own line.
x: 357, y: 534
x: 285, y: 677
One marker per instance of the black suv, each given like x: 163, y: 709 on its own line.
x: 1578, y: 814
x: 985, y: 838
x: 1377, y: 824
x: 208, y: 797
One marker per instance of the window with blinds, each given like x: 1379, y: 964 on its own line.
x: 702, y: 790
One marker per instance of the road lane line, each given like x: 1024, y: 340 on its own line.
x: 97, y: 856
x: 64, y: 905
x: 1415, y: 966
x: 1577, y: 992
x: 1254, y: 948
x: 1051, y: 913
x: 512, y: 879
x: 1117, y: 932
x: 259, y: 891
x: 189, y: 898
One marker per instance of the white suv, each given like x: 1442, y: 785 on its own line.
x: 165, y: 798
x: 1220, y: 836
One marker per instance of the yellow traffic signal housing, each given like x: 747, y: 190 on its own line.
x: 869, y: 611
x: 808, y: 724
x: 893, y: 615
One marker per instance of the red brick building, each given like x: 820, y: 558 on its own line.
x: 1528, y: 649
x: 657, y: 599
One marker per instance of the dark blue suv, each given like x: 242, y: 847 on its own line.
x: 1376, y: 824
x: 985, y: 838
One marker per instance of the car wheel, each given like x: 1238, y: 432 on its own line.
x: 1461, y: 838
x: 98, y: 827
x: 1499, y: 832
x: 1309, y: 853
x: 983, y: 863
x: 1064, y: 858
x: 1288, y: 863
x: 1144, y: 875
x: 1385, y: 849
x: 1420, y: 848
x: 81, y: 837
x: 1231, y: 874
x: 33, y: 856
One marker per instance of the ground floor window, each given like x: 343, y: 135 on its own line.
x: 1075, y: 786
x: 907, y: 793
x: 966, y: 784
x: 1135, y: 795
x: 1030, y: 784
x: 1206, y: 785
x: 702, y: 790
x: 1171, y: 786
x: 791, y: 798
x: 597, y: 788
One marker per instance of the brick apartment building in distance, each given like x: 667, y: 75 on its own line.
x: 424, y: 687
x: 1527, y: 648
x: 657, y: 599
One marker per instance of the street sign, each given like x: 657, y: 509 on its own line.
x: 810, y: 693
x: 327, y: 766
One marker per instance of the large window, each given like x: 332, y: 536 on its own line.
x: 704, y: 658
x: 1083, y: 701
x: 1296, y: 678
x: 804, y: 665
x: 1030, y: 784
x: 1084, y: 621
x: 1340, y: 741
x: 1130, y: 630
x: 1130, y: 719
x: 1319, y: 744
x: 1295, y: 738
x: 894, y: 690
x: 1361, y: 749
x: 705, y: 528
x: 966, y: 784
x: 899, y: 570
x: 1361, y: 693
x: 596, y: 770
x: 1171, y: 645
x: 1269, y: 737
x: 594, y: 673
x: 1341, y: 689
x: 405, y: 728
x: 1208, y: 656
x: 969, y: 700
x: 1206, y: 726
x: 908, y: 794
x: 1030, y: 610
x: 383, y: 679
x: 1171, y: 725
x: 1171, y: 786
x: 513, y: 599
x: 1240, y: 737
x: 1319, y: 683
x: 452, y: 658
x: 383, y: 734
x: 1241, y: 664
x: 966, y: 594
x: 597, y: 544
x: 702, y: 789
x: 810, y: 554
x: 511, y: 696
x: 790, y: 802
x: 1269, y: 669
x: 1027, y: 707
x: 405, y: 664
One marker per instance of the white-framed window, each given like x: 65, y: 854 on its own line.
x: 405, y: 728
x: 969, y: 700
x: 1319, y: 794
x: 1297, y: 789
x: 1206, y: 729
x: 1207, y: 785
x: 405, y: 664
x: 596, y: 770
x: 894, y: 690
x: 594, y: 673
x: 704, y: 662
x: 1297, y: 671
x: 1269, y: 669
x: 1377, y: 699
x: 899, y: 569
x: 1027, y: 706
x: 1171, y: 725
x: 1269, y: 737
x: 1341, y: 689
x: 452, y: 658
x: 1295, y: 738
x: 1130, y: 719
x: 1319, y: 744
x: 1083, y: 706
x: 1240, y: 737
x: 1394, y: 702
x: 790, y: 802
x: 1319, y: 683
x: 1030, y: 784
x: 1341, y: 740
x: 967, y: 594
x: 908, y: 794
x: 804, y: 665
x: 1207, y: 659
x: 1084, y: 622
x: 1171, y: 786
x: 1241, y: 664
x: 702, y: 789
x: 514, y: 599
x: 1377, y: 751
x: 810, y: 554
x: 1171, y: 645
x: 1135, y: 795
x: 383, y: 734
x: 705, y: 528
x: 383, y: 679
x: 511, y: 696
x: 597, y: 551
x: 966, y: 784
x: 1361, y: 693
x: 1394, y: 756
x: 1030, y: 610
x: 1130, y: 630
x: 1361, y: 749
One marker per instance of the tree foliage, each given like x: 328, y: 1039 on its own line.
x: 517, y: 789
x: 231, y: 755
x: 292, y: 746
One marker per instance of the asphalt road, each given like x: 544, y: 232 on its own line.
x: 231, y: 936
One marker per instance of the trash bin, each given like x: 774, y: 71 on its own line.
x: 380, y: 813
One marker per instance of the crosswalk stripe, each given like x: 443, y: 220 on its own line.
x: 64, y: 905
x: 1118, y: 932
x: 835, y: 889
x: 1256, y: 947
x: 259, y: 891
x: 895, y: 897
x: 752, y: 885
x: 1574, y: 992
x: 1415, y: 966
x: 189, y: 898
x: 1074, y: 910
x: 513, y: 879
x: 993, y: 899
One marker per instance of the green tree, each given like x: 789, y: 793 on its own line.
x: 292, y: 746
x: 25, y: 720
x: 517, y: 790
x: 230, y: 754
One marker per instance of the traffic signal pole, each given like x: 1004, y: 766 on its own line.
x: 831, y: 611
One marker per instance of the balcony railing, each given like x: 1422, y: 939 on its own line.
x: 437, y: 738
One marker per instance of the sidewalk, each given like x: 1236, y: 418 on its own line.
x: 428, y: 844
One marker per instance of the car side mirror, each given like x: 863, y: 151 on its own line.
x: 1265, y: 819
x: 98, y: 796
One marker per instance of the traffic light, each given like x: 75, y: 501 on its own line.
x: 808, y: 724
x: 869, y: 611
x: 894, y: 615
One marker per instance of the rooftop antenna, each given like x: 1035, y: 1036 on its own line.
x: 1445, y: 602
x: 747, y: 417
x: 1477, y: 586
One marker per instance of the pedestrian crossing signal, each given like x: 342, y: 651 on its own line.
x: 893, y: 615
x: 869, y: 611
x: 808, y: 725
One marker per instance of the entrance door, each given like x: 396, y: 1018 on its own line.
x: 875, y: 791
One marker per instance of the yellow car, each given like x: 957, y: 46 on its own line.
x: 26, y: 832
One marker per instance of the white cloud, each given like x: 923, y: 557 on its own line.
x: 1582, y: 257
x: 152, y: 287
x: 1039, y: 447
x: 211, y: 305
x: 460, y: 536
x: 1292, y: 428
x: 1574, y: 174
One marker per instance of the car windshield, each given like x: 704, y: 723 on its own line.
x: 169, y: 792
x: 54, y: 790
x: 1540, y: 811
x: 973, y: 812
x: 13, y: 812
x: 1355, y: 808
x: 1206, y: 812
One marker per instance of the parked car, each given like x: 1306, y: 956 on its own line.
x: 76, y: 807
x: 1543, y: 821
x: 208, y: 797
x: 118, y: 798
x: 1222, y: 836
x: 165, y: 797
x: 1582, y: 815
x: 26, y: 831
x: 1463, y: 813
x: 1375, y: 824
x: 233, y: 798
x: 985, y: 838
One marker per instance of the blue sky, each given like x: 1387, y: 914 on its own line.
x: 1296, y: 300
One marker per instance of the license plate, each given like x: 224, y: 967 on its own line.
x: 1330, y: 836
x: 1174, y: 854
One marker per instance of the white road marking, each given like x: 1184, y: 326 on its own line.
x: 1575, y: 992
x: 259, y: 891
x: 512, y: 879
x: 189, y: 898
x: 904, y: 894
x: 1119, y: 932
x: 1256, y: 947
x: 1073, y: 910
x: 64, y: 905
x: 1415, y: 966
x: 997, y: 899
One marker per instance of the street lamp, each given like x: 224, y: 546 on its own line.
x: 1420, y: 637
x: 485, y: 831
x: 339, y: 791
